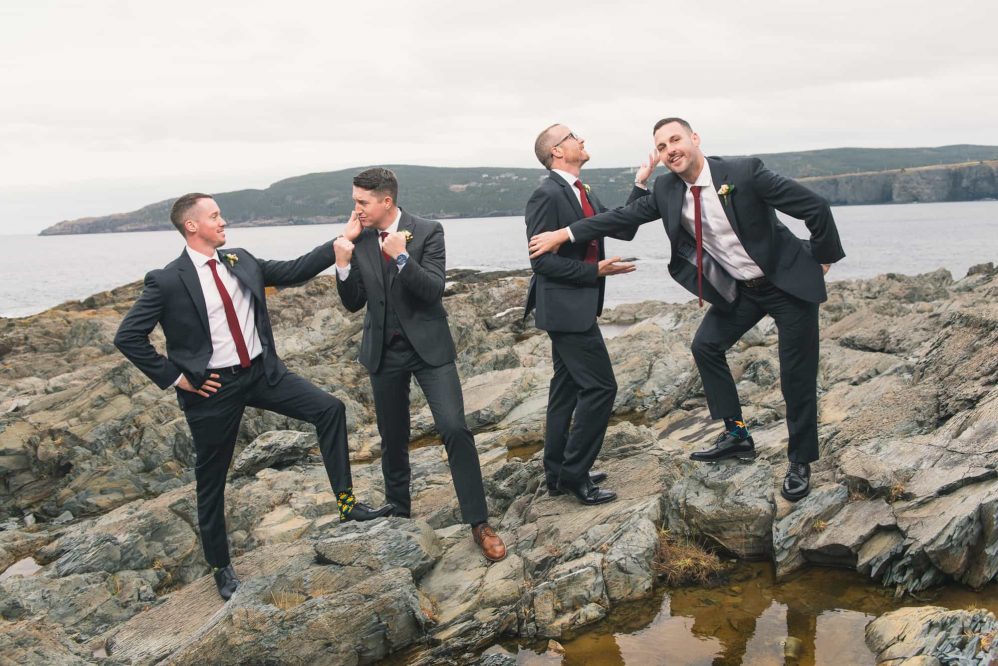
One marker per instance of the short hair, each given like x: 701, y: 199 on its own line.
x: 666, y: 121
x: 543, y: 146
x: 182, y: 206
x: 379, y: 180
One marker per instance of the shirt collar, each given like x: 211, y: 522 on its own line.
x: 703, y: 180
x: 198, y: 258
x: 569, y: 178
x: 395, y: 225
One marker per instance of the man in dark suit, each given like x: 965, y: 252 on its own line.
x: 395, y: 264
x: 221, y: 357
x: 567, y: 289
x: 729, y: 248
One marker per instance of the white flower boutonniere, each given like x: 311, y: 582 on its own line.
x: 586, y: 188
x: 725, y: 191
x: 408, y: 236
x: 231, y: 258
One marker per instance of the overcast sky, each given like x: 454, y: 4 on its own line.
x: 108, y: 106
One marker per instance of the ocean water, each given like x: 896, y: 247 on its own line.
x: 39, y: 272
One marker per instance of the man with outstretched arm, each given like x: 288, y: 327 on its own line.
x: 221, y: 358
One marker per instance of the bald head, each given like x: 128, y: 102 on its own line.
x: 545, y: 142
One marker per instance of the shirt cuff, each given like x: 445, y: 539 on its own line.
x: 177, y: 380
x: 343, y: 273
x: 571, y: 236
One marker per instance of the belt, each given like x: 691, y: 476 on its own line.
x: 754, y: 283
x: 236, y: 369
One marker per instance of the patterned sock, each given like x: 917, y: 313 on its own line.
x: 736, y: 426
x: 345, y: 501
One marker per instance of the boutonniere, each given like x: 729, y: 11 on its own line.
x: 725, y: 191
x: 408, y: 236
x: 586, y: 187
x: 231, y: 258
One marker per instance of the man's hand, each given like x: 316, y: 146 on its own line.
x: 353, y: 228
x: 344, y: 251
x: 614, y: 266
x: 546, y: 242
x: 646, y: 169
x: 209, y: 387
x: 394, y: 244
x: 824, y: 268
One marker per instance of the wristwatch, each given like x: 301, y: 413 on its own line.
x: 401, y: 259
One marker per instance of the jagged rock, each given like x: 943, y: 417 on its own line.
x: 807, y: 518
x: 31, y: 642
x: 387, y: 543
x: 273, y: 449
x: 934, y: 635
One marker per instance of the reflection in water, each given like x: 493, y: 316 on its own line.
x: 818, y: 618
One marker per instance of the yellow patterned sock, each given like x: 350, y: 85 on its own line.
x: 345, y: 501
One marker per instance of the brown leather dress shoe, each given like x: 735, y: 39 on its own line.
x: 492, y: 546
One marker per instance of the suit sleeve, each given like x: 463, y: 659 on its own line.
x: 296, y: 271
x: 628, y: 233
x: 132, y: 338
x: 542, y: 216
x: 425, y: 279
x: 351, y: 291
x: 790, y: 197
x: 618, y: 222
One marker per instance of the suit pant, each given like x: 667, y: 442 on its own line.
x: 797, y: 324
x: 214, y: 423
x: 580, y: 401
x: 442, y: 388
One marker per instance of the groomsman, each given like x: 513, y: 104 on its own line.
x: 221, y: 358
x: 729, y: 248
x: 394, y: 263
x: 567, y: 290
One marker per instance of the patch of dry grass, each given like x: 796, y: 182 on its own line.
x: 681, y: 561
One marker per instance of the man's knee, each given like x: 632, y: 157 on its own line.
x: 452, y: 426
x: 703, y: 348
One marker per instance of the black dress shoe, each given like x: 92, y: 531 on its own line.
x: 727, y: 445
x: 361, y: 512
x: 594, y: 477
x: 226, y: 581
x: 586, y: 492
x: 797, y: 482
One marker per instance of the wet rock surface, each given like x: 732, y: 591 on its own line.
x: 96, y: 482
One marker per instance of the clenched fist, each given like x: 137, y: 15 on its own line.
x: 344, y: 251
x: 394, y: 245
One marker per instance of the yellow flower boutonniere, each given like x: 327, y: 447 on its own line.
x: 586, y: 188
x: 408, y: 236
x: 725, y: 191
x: 231, y: 258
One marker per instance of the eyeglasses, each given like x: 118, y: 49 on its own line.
x: 570, y: 135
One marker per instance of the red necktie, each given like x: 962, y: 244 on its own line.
x: 592, y: 251
x: 698, y: 227
x: 388, y: 257
x: 230, y: 317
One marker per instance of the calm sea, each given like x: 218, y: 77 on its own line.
x: 41, y: 271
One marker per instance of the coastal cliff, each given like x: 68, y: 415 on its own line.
x: 96, y: 487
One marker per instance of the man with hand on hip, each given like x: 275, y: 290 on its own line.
x: 221, y: 358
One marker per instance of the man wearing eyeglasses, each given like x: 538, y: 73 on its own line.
x: 567, y: 292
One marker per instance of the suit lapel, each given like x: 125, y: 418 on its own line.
x: 189, y: 276
x: 675, y: 206
x: 719, y: 177
x: 238, y: 270
x: 569, y: 192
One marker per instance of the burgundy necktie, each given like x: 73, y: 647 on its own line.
x: 592, y: 251
x: 698, y: 228
x: 388, y: 257
x: 230, y: 317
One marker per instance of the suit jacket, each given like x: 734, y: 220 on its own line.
x: 757, y: 193
x: 416, y: 293
x: 567, y: 292
x: 172, y: 298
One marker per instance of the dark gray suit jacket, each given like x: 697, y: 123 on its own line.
x: 788, y: 262
x: 416, y: 293
x: 172, y: 298
x: 567, y: 292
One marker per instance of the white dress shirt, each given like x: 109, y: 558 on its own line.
x: 224, y: 354
x: 344, y: 273
x: 719, y: 238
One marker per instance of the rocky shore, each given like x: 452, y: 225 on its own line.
x: 102, y: 562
